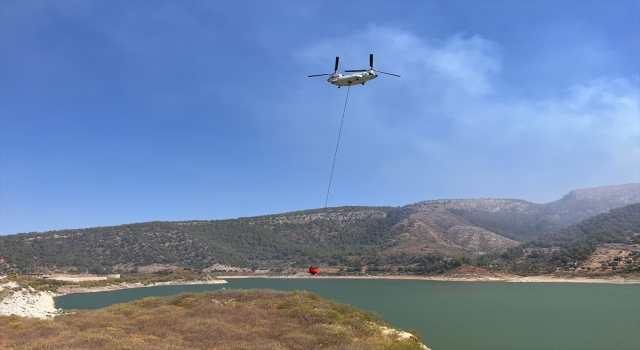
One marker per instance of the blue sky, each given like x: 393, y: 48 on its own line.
x: 115, y: 112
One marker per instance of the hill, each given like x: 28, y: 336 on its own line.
x: 235, y: 319
x: 521, y: 220
x: 352, y: 238
x: 571, y: 247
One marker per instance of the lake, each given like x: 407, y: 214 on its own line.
x: 458, y: 315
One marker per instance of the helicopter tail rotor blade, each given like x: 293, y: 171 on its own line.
x: 318, y: 75
x: 371, y: 60
x: 337, y: 61
x: 395, y: 75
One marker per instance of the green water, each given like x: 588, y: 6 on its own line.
x: 460, y: 315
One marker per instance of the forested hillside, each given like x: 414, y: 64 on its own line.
x: 419, y: 234
x: 573, y: 245
x: 260, y: 242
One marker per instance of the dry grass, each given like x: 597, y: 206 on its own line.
x: 233, y: 319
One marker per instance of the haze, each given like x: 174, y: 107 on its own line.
x: 120, y: 112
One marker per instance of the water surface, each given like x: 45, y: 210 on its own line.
x: 458, y: 315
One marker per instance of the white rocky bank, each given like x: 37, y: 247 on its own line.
x: 394, y: 333
x: 26, y: 303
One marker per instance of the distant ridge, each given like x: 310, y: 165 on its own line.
x: 601, y: 238
x: 629, y: 192
x: 521, y: 220
x: 456, y: 228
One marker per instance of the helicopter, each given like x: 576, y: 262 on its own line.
x: 363, y: 75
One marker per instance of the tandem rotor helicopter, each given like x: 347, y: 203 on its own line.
x: 353, y: 79
x: 361, y: 77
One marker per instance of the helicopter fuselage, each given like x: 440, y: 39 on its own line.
x: 352, y: 79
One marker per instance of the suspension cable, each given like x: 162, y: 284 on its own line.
x: 335, y: 155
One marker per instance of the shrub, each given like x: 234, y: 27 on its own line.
x: 230, y: 319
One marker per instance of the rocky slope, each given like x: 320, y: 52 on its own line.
x: 26, y: 303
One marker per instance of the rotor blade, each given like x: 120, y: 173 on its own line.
x: 337, y: 60
x: 395, y: 75
x: 356, y: 70
x: 318, y: 75
x: 371, y: 60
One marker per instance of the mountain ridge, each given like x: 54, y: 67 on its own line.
x: 453, y: 227
x: 599, y: 244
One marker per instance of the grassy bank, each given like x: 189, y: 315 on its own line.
x: 233, y: 319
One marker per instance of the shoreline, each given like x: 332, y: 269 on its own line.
x: 26, y: 303
x: 466, y: 278
x: 41, y: 305
x: 66, y: 290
